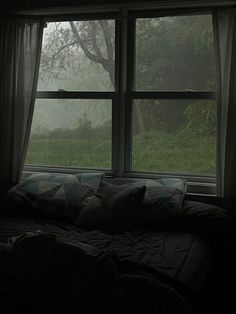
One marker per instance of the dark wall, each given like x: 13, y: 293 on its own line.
x: 16, y: 5
x: 31, y: 4
x: 12, y: 6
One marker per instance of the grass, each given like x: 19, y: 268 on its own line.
x: 69, y: 153
x: 184, y: 152
x: 181, y: 153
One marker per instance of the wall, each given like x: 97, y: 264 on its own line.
x: 16, y: 5
x: 29, y: 4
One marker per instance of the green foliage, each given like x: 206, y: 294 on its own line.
x: 69, y: 152
x: 183, y: 152
x: 82, y: 146
x: 180, y: 152
x: 84, y: 131
x: 201, y: 117
x: 175, y: 53
x: 158, y: 115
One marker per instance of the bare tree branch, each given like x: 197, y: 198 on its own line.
x: 60, y: 50
x: 88, y: 54
x: 108, y: 38
x: 94, y: 40
x: 98, y: 58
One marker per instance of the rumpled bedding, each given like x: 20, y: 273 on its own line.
x: 67, y: 277
x: 64, y: 269
x: 179, y: 255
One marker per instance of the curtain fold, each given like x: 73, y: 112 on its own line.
x: 225, y: 39
x: 20, y: 50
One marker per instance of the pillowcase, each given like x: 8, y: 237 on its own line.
x: 163, y: 200
x: 59, y: 197
x: 92, y: 179
x: 112, y: 208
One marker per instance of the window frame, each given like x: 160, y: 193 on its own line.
x: 86, y: 95
x: 123, y: 95
x: 132, y: 94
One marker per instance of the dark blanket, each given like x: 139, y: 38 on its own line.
x: 59, y: 276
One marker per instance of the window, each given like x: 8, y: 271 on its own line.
x: 72, y: 121
x: 132, y: 96
x: 174, y: 115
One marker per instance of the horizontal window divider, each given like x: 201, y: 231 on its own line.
x: 173, y: 95
x: 197, y: 179
x: 74, y: 95
x: 171, y: 11
x: 72, y: 16
x: 67, y: 170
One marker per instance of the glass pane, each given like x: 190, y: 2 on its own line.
x: 174, y: 136
x: 78, y: 56
x: 73, y: 133
x: 175, y: 53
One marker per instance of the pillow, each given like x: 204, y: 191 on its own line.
x: 52, y: 196
x: 88, y: 178
x: 52, y: 177
x: 205, y: 220
x: 112, y: 207
x: 163, y: 200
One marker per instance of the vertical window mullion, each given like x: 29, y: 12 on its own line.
x: 119, y: 103
x: 115, y: 105
x: 130, y: 89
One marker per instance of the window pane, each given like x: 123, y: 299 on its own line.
x: 78, y: 56
x: 174, y: 136
x: 175, y: 53
x: 73, y: 133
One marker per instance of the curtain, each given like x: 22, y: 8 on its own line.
x: 20, y: 49
x: 225, y: 39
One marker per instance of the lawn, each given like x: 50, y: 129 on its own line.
x: 183, y: 152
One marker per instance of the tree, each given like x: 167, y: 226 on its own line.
x: 65, y: 42
x: 172, y: 53
x: 88, y: 36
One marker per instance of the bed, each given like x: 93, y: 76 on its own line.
x: 145, y: 263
